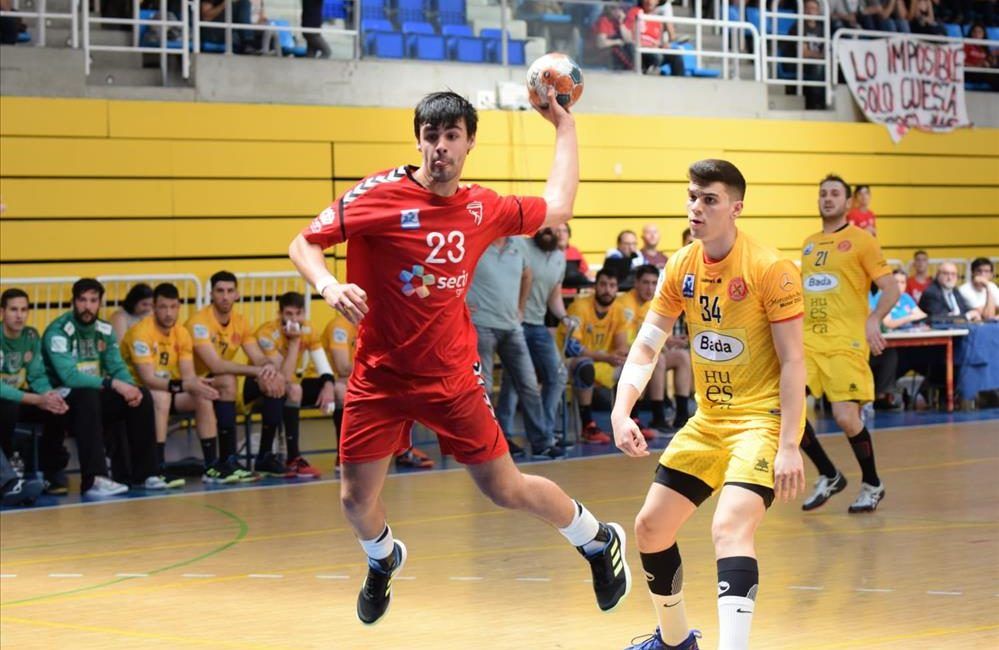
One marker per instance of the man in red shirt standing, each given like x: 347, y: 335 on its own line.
x: 416, y: 236
x: 919, y: 278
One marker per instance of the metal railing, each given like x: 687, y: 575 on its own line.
x: 42, y: 17
x: 724, y: 53
x: 770, y: 28
x: 162, y: 22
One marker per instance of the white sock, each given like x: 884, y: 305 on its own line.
x: 583, y: 527
x: 735, y: 618
x: 380, y: 547
x: 672, y: 615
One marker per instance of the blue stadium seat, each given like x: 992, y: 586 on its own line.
x: 753, y: 16
x: 333, y: 9
x: 411, y: 11
x: 494, y: 48
x: 953, y: 30
x: 690, y: 68
x: 287, y: 41
x: 422, y: 42
x: 371, y: 28
x: 451, y: 12
x: 372, y: 9
x: 455, y: 34
x: 147, y: 37
x: 784, y: 25
x: 23, y: 37
x: 389, y: 45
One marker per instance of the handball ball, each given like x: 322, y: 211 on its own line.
x: 558, y: 71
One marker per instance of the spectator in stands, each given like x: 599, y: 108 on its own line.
x: 884, y: 15
x: 497, y: 299
x: 843, y: 15
x: 563, y: 232
x: 608, y: 32
x: 922, y: 19
x: 138, y: 304
x: 547, y: 266
x: 979, y: 56
x: 213, y: 11
x: 17, y: 490
x: 26, y: 394
x: 597, y: 348
x: 906, y: 311
x: 860, y: 213
x: 980, y: 291
x: 339, y: 340
x: 9, y: 25
x: 81, y: 354
x: 942, y: 300
x: 159, y: 353
x: 654, y: 36
x: 903, y: 315
x: 218, y: 333
x: 627, y: 248
x: 312, y: 16
x: 812, y: 48
x: 650, y: 246
x: 285, y: 340
x: 920, y: 278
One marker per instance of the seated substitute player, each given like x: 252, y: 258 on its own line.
x: 416, y: 236
x: 744, y: 308
x: 160, y: 354
x: 838, y: 266
x: 339, y: 339
x: 25, y: 392
x: 285, y: 340
x: 219, y: 332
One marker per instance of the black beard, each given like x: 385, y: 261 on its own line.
x: 601, y: 302
x: 79, y: 315
x: 546, y: 240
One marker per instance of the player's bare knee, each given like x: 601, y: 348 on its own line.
x: 848, y: 422
x: 651, y: 532
x: 357, y: 501
x: 505, y: 495
x: 161, y: 400
x: 226, y: 386
x: 294, y: 394
x: 731, y: 529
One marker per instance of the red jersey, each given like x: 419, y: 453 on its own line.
x: 862, y: 219
x: 415, y: 253
x: 915, y: 288
x: 652, y: 32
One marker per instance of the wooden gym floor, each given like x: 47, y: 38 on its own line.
x: 277, y: 567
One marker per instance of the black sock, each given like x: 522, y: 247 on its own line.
x: 225, y: 413
x: 160, y: 455
x: 681, y: 411
x: 267, y: 432
x: 338, y: 423
x: 290, y: 416
x: 271, y: 416
x: 665, y: 570
x: 810, y: 445
x: 658, y: 411
x: 738, y: 576
x: 209, y: 451
x: 863, y: 449
x: 585, y: 414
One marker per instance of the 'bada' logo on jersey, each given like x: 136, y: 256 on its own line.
x: 717, y: 347
x: 820, y: 282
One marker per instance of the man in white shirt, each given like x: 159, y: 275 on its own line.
x: 981, y: 292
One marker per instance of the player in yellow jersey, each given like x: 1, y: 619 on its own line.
x: 597, y: 348
x: 285, y: 340
x: 744, y: 307
x: 635, y: 304
x: 219, y: 332
x: 159, y: 353
x: 838, y: 265
x: 339, y: 339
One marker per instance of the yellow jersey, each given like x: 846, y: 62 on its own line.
x: 837, y: 270
x: 730, y: 305
x: 634, y: 312
x: 145, y: 343
x: 595, y: 332
x: 271, y: 339
x: 227, y: 339
x: 340, y: 334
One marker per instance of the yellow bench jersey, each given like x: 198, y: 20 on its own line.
x: 837, y: 270
x: 634, y: 312
x: 145, y: 343
x: 730, y: 305
x: 340, y: 334
x: 226, y: 339
x: 595, y: 333
x: 271, y: 339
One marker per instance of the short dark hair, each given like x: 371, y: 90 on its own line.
x: 979, y: 262
x: 166, y: 290
x: 858, y: 188
x: 137, y: 293
x: 833, y: 178
x: 291, y: 299
x: 900, y: 271
x: 222, y: 276
x: 607, y: 273
x: 444, y: 110
x: 920, y: 252
x: 684, y: 235
x: 625, y: 232
x: 83, y: 285
x: 712, y: 170
x: 646, y: 269
x: 10, y: 294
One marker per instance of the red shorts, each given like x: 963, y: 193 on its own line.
x: 381, y: 406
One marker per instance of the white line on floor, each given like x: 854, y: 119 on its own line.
x: 14, y: 575
x: 466, y: 578
x: 804, y: 588
x: 198, y: 575
x: 65, y: 575
x: 266, y: 576
x: 404, y: 578
x: 945, y: 593
x: 332, y: 577
x: 131, y: 575
x: 876, y: 591
x: 534, y: 579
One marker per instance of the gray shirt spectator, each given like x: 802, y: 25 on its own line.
x: 494, y: 296
x: 547, y: 270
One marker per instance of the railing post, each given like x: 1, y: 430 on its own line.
x: 163, y: 40
x: 725, y: 36
x: 698, y: 30
x: 185, y: 41
x: 135, y: 26
x: 86, y: 37
x: 228, y: 27
x: 74, y: 24
x: 196, y: 24
x: 504, y: 44
x: 637, y: 44
x: 41, y: 23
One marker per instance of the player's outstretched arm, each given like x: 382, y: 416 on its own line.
x: 348, y: 299
x: 789, y: 470
x: 634, y: 378
x: 563, y: 179
x: 889, y: 296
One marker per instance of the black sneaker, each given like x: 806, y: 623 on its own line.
x: 563, y: 443
x: 271, y: 465
x: 376, y: 592
x: 56, y: 483
x: 516, y: 450
x: 611, y: 575
x: 549, y: 452
x: 825, y: 487
x: 21, y: 492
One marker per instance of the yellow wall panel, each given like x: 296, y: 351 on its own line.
x: 251, y: 198
x: 32, y: 197
x: 87, y: 118
x: 203, y: 269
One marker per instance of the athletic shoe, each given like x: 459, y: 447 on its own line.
x: 647, y: 433
x: 611, y: 576
x: 564, y: 443
x: 221, y: 473
x: 869, y: 498
x: 825, y: 487
x: 516, y: 451
x: 415, y: 459
x: 655, y: 642
x: 376, y: 592
x: 105, y: 487
x: 21, y: 492
x: 269, y: 465
x: 552, y: 452
x: 56, y: 483
x: 240, y: 471
x: 661, y: 426
x: 301, y: 468
x: 163, y: 482
x: 593, y: 436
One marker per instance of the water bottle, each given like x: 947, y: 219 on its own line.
x: 17, y: 464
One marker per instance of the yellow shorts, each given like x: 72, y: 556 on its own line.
x: 719, y: 451
x: 605, y: 374
x: 843, y: 376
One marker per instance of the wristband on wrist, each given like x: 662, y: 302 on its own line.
x: 327, y: 377
x: 175, y: 386
x: 324, y: 284
x: 106, y: 383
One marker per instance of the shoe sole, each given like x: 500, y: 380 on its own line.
x: 627, y: 570
x: 854, y: 511
x: 831, y: 495
x: 395, y: 575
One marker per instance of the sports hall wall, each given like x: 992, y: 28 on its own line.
x: 106, y: 186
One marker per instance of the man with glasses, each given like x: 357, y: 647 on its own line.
x: 942, y: 300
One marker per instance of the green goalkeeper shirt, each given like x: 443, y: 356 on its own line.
x: 21, y: 365
x: 81, y: 356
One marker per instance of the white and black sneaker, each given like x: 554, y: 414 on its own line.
x: 376, y: 592
x: 104, y: 487
x: 611, y: 575
x: 825, y: 487
x: 869, y: 498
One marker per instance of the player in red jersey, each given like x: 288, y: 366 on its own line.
x: 416, y: 236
